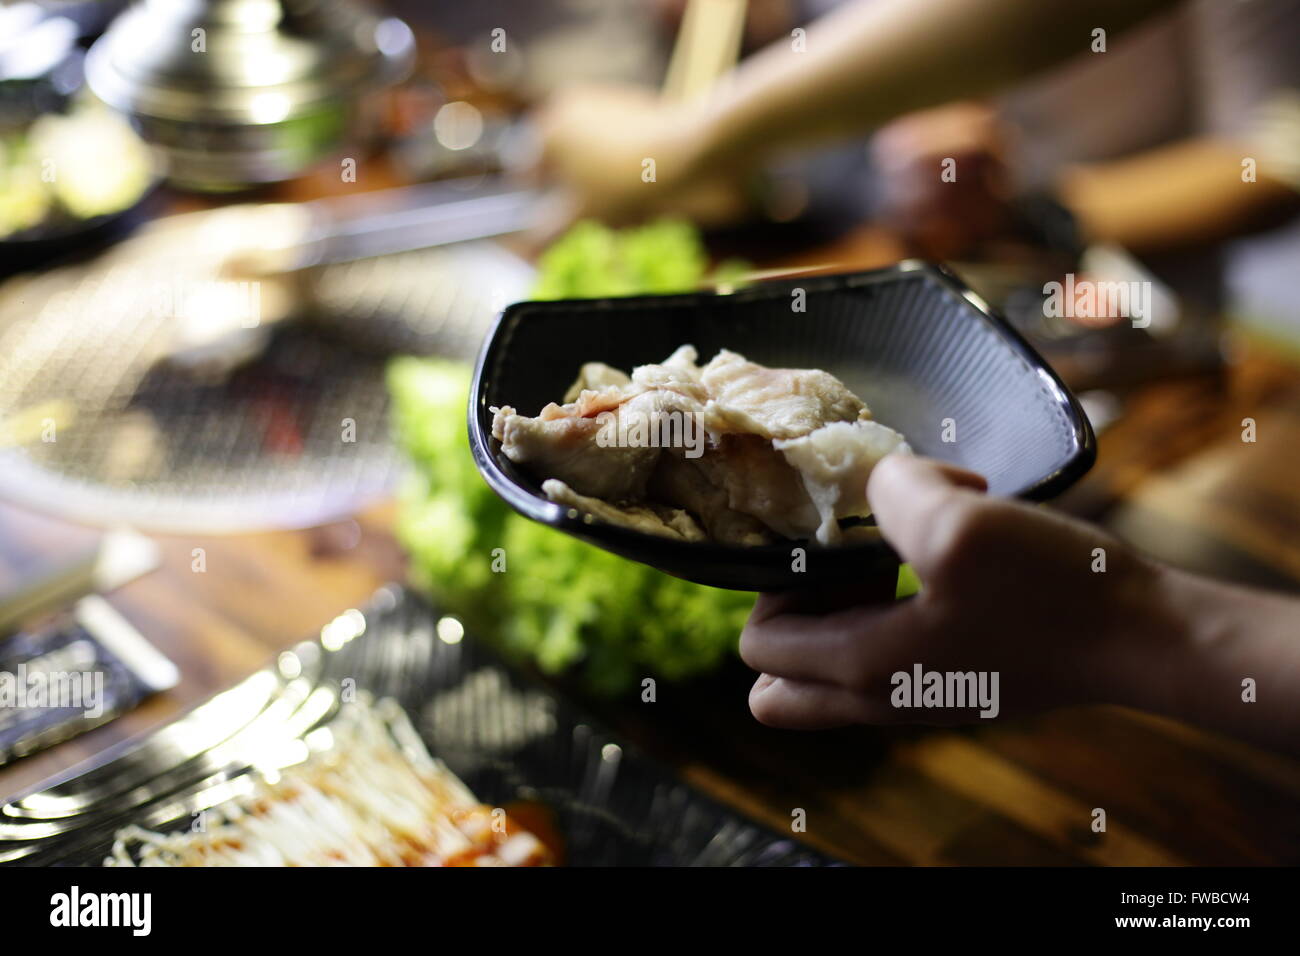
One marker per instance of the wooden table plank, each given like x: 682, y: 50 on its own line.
x: 1061, y: 818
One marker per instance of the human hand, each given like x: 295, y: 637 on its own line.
x: 1008, y: 588
x: 623, y: 154
x: 944, y: 217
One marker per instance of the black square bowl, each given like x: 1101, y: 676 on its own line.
x: 926, y: 354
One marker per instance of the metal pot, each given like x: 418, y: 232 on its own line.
x: 236, y: 93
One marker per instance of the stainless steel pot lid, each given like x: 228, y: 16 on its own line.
x: 244, y: 62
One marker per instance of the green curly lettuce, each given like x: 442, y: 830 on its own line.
x: 553, y: 599
x: 593, y: 261
x: 559, y: 602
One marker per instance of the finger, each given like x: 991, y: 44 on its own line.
x: 910, y: 497
x: 849, y: 648
x: 798, y: 705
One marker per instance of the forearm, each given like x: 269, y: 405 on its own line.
x: 1187, y: 193
x: 869, y: 62
x: 1197, y: 644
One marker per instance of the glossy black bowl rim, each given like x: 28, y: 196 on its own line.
x: 36, y: 249
x: 567, y: 519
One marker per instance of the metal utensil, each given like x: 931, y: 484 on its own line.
x: 241, y: 92
x: 94, y: 350
x: 120, y: 556
x: 294, y: 238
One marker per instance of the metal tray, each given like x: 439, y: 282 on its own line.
x: 508, y: 738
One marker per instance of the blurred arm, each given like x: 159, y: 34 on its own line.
x: 1187, y: 193
x: 869, y: 62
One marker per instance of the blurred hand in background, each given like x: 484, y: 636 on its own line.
x: 623, y: 154
x: 943, y: 179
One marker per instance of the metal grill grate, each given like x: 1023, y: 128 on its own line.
x: 100, y: 430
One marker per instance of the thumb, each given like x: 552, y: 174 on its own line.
x: 908, y: 496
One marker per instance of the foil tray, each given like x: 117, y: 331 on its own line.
x: 507, y: 737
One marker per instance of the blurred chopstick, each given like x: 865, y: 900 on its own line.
x: 707, y: 46
x: 731, y: 283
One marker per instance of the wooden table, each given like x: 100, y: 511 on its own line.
x: 1173, y: 476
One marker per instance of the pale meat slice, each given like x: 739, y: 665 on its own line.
x: 596, y: 376
x: 656, y: 419
x: 668, y: 417
x: 568, y: 446
x: 834, y: 463
x: 590, y: 402
x: 758, y: 481
x: 683, y: 482
x: 606, y: 442
x: 678, y: 373
x: 774, y: 403
x: 653, y: 519
x: 750, y: 452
